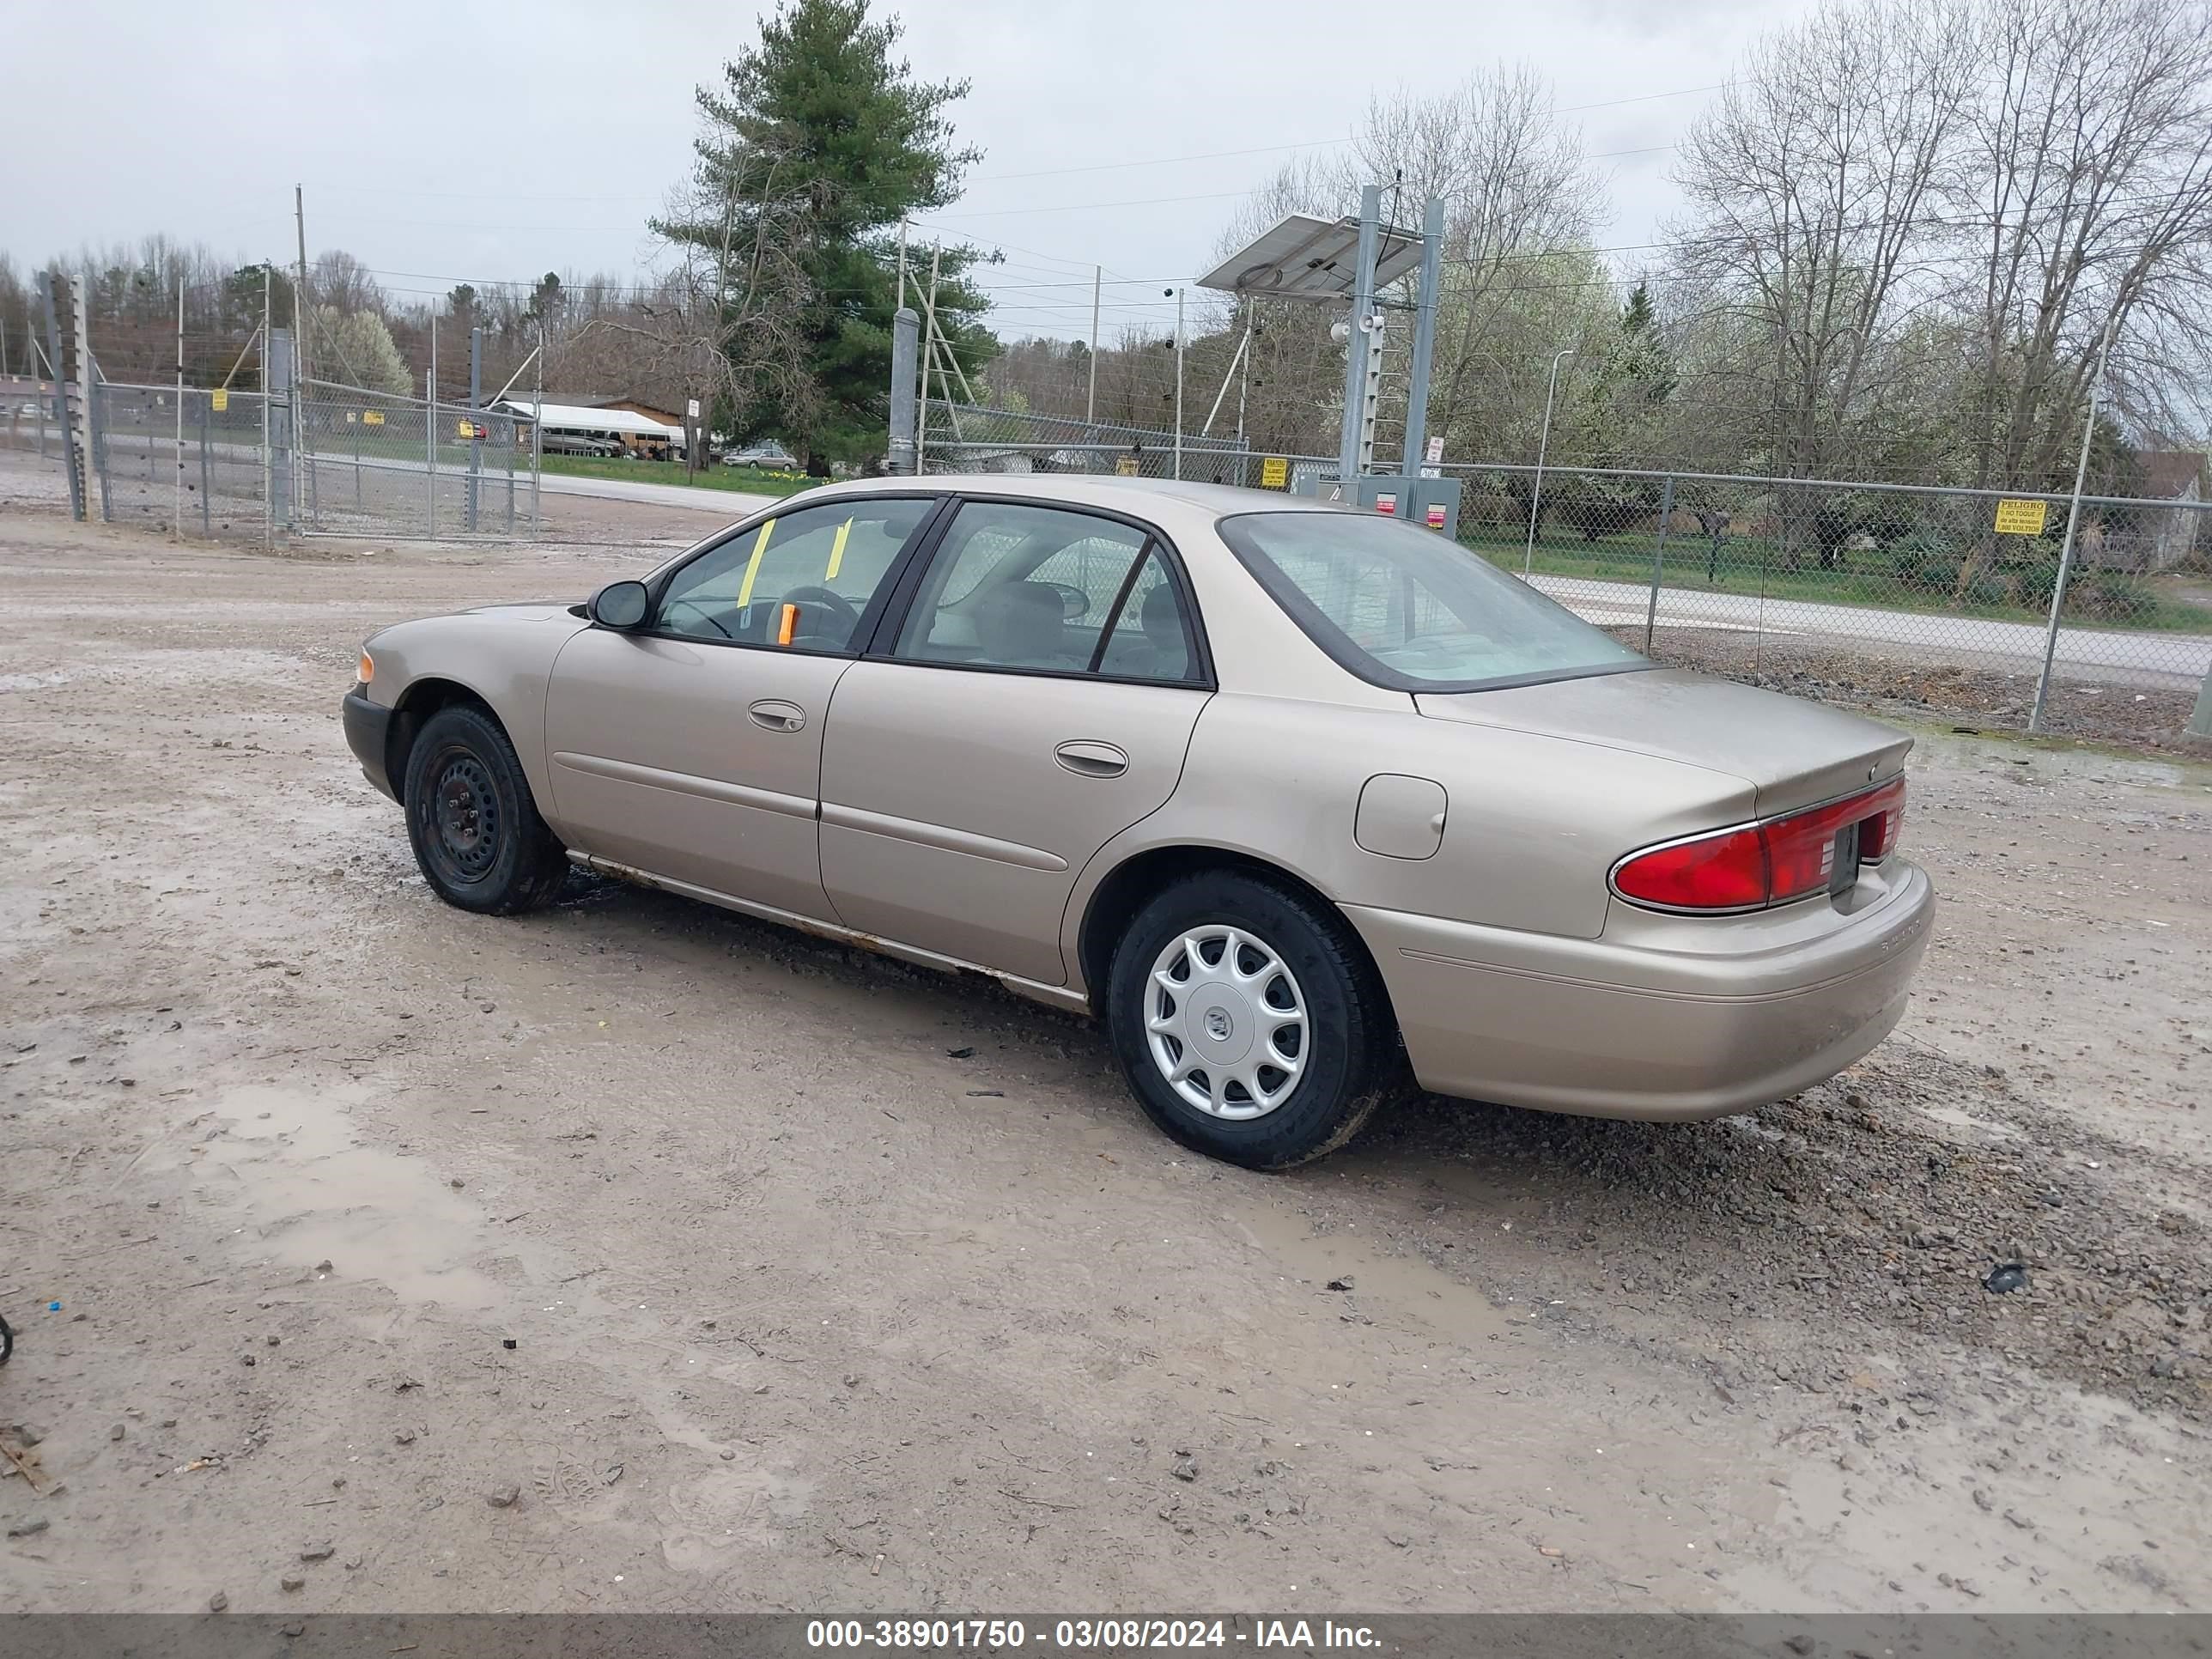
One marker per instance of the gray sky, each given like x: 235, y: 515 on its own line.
x: 495, y: 139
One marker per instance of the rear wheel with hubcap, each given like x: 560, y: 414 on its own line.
x: 477, y: 835
x: 1249, y: 1021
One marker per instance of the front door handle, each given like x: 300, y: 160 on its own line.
x: 777, y: 715
x: 1091, y: 760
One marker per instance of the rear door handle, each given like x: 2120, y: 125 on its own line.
x: 777, y: 715
x: 1091, y: 760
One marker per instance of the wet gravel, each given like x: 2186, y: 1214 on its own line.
x: 1846, y: 1218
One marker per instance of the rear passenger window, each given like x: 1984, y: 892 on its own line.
x: 1150, y: 638
x: 1052, y: 591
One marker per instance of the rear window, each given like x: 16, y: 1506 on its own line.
x: 1405, y: 608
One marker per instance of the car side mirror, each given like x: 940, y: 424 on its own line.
x: 621, y: 605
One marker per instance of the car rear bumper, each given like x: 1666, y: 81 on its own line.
x: 1678, y: 1025
x: 368, y: 725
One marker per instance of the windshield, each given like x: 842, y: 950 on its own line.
x: 1405, y: 608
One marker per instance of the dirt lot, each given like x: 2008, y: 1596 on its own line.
x: 634, y: 1255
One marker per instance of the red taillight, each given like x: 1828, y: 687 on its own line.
x: 1726, y: 871
x: 1765, y: 864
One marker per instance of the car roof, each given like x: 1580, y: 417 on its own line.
x: 1131, y: 496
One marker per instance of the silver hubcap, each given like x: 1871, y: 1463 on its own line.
x: 1227, y: 1022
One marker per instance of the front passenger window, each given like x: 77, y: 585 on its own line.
x: 799, y: 581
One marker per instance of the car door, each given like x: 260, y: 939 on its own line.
x: 1036, y: 699
x: 691, y: 747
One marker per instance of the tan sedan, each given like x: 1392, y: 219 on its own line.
x: 1300, y: 801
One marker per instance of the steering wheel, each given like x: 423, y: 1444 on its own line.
x: 705, y: 616
x: 840, y: 608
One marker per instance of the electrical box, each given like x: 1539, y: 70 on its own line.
x: 1431, y: 503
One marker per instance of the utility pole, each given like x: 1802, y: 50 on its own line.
x: 1178, y: 397
x: 1090, y: 399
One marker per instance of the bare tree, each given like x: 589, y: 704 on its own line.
x: 730, y: 322
x: 1807, y: 183
x: 2083, y: 204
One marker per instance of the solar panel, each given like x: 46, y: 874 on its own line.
x: 1308, y: 258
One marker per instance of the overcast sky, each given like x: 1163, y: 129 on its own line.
x: 495, y: 139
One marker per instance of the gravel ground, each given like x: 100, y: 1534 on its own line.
x: 637, y: 1256
x: 1898, y: 683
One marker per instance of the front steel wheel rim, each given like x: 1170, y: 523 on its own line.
x: 1225, y: 1022
x: 464, y: 816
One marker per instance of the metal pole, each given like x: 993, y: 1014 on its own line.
x: 1543, y: 442
x: 476, y: 398
x: 928, y: 359
x: 1178, y: 401
x: 430, y: 432
x: 1220, y: 397
x: 1658, y: 558
x: 207, y: 527
x: 2073, y: 523
x: 268, y: 478
x: 177, y: 517
x: 1424, y: 337
x: 902, y: 266
x: 56, y: 364
x: 1090, y: 398
x: 899, y: 455
x: 30, y: 333
x: 537, y: 429
x: 1244, y: 383
x: 299, y: 292
x: 91, y: 429
x: 1355, y: 342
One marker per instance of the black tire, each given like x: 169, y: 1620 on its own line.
x: 477, y: 836
x: 1352, y: 1060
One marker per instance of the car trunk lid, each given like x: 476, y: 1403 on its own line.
x: 1793, y: 753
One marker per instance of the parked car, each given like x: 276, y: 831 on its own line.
x: 1300, y: 801
x: 770, y: 454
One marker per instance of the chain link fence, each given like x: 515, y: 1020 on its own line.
x: 961, y: 438
x: 1912, y: 597
x: 1918, y: 594
x: 331, y: 461
x: 374, y: 464
x: 222, y: 490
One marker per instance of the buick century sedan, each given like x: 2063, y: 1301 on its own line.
x: 1306, y: 805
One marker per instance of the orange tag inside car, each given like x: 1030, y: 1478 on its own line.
x: 789, y: 625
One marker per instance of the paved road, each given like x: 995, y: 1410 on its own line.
x: 729, y: 503
x: 2178, y: 659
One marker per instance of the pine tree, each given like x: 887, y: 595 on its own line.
x: 820, y: 142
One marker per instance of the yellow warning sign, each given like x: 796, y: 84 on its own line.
x: 1275, y: 472
x: 1126, y: 465
x: 2022, y: 518
x: 467, y: 429
x: 219, y: 400
x: 372, y: 417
